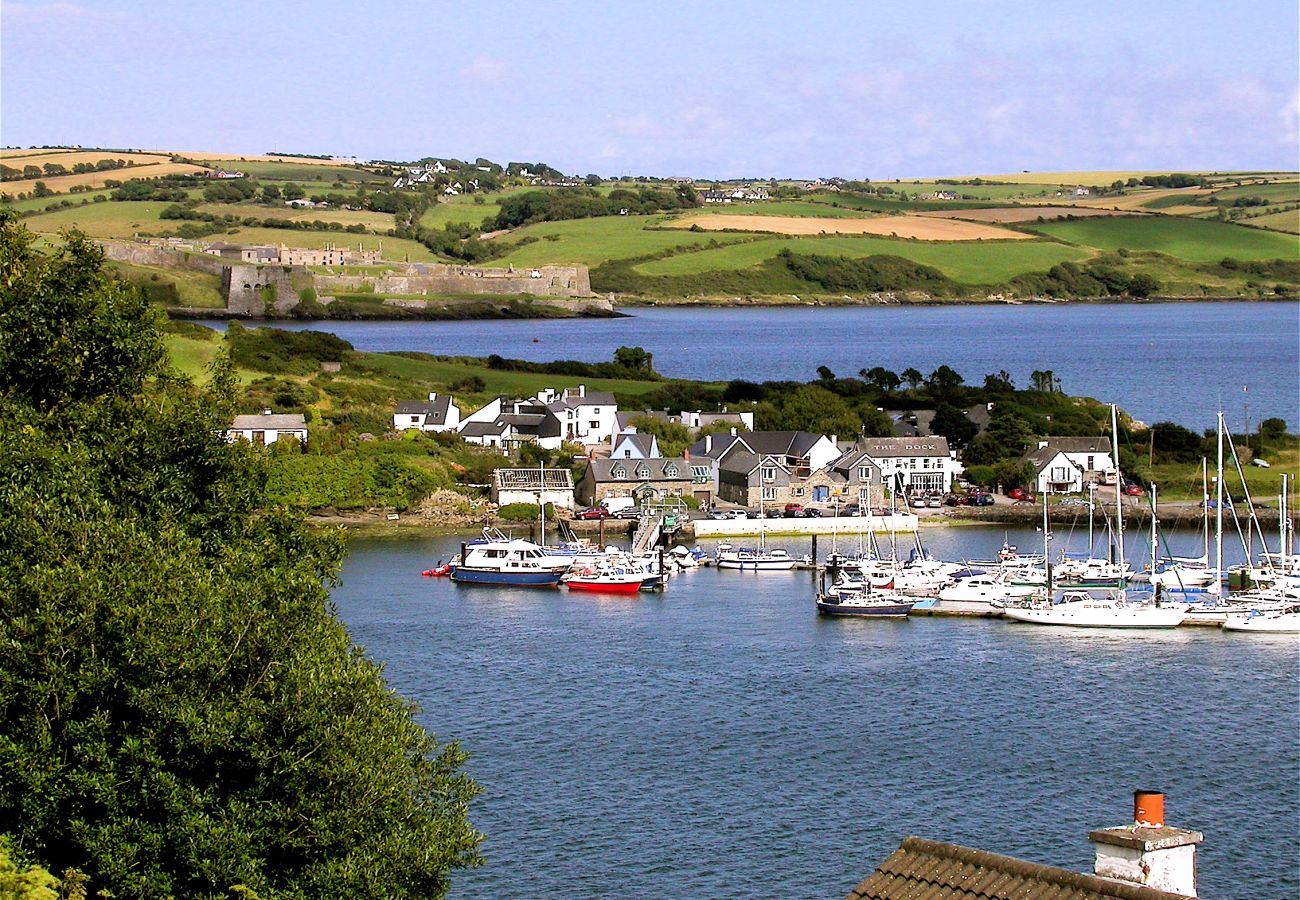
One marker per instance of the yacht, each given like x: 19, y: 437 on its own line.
x: 511, y: 562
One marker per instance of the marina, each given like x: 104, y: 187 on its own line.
x: 694, y: 713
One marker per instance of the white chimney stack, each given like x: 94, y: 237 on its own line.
x: 1148, y: 852
x: 433, y: 395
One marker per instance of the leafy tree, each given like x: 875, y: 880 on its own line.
x: 1000, y: 383
x: 30, y: 172
x: 1045, y: 381
x: 181, y: 711
x: 882, y: 379
x: 825, y: 374
x: 912, y: 377
x: 944, y: 381
x: 875, y: 422
x: 41, y: 189
x: 634, y: 358
x: 673, y: 437
x: 813, y: 408
x: 270, y: 192
x: 293, y: 191
x: 1272, y: 429
x: 952, y: 423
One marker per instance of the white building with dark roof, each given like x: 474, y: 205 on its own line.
x: 438, y: 413
x: 268, y: 427
x: 587, y: 417
x: 912, y: 465
x: 1069, y: 464
x: 509, y: 424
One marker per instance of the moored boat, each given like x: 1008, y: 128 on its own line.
x: 513, y: 563
x: 865, y: 604
x: 1282, y: 621
x: 607, y: 581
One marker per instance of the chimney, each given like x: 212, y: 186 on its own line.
x: 433, y: 395
x: 1148, y: 852
x: 708, y: 444
x: 266, y: 411
x: 686, y: 455
x: 835, y: 440
x: 733, y: 430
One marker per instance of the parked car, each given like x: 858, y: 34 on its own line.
x: 1026, y: 497
x: 981, y: 500
x: 851, y: 510
x: 1134, y: 490
x: 729, y: 514
x: 595, y: 512
x: 811, y: 513
x: 1017, y: 493
x: 793, y: 510
x: 628, y: 512
x: 934, y: 501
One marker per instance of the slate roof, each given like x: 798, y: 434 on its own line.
x: 929, y: 870
x: 479, y: 429
x: 434, y: 411
x: 642, y: 442
x: 721, y: 443
x: 602, y: 470
x: 1043, y: 456
x: 782, y: 443
x: 591, y: 398
x: 1078, y: 444
x: 282, y: 422
x: 624, y: 419
x: 881, y: 448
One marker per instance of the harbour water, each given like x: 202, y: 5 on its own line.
x: 1176, y: 362
x: 722, y: 740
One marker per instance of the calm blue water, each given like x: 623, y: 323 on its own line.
x: 722, y: 740
x: 1161, y: 362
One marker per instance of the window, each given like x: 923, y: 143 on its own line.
x: 670, y: 471
x: 627, y: 454
x: 864, y: 473
x: 1091, y: 465
x: 769, y: 493
x: 618, y: 472
x: 595, y: 410
x: 1060, y: 473
x: 643, y: 471
x: 798, y: 492
x: 769, y: 473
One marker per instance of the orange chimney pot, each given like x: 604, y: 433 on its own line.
x: 1149, y: 808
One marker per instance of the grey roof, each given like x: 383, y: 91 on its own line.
x: 602, y: 470
x: 480, y: 429
x: 273, y: 422
x: 850, y: 459
x: 929, y: 870
x: 886, y: 447
x: 643, y: 442
x: 1078, y: 444
x: 721, y: 444
x: 435, y: 410
x: 591, y: 398
x: 624, y: 419
x: 784, y: 443
x: 1042, y: 457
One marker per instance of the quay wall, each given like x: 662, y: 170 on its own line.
x: 898, y: 522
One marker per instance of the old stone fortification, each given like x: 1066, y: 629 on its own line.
x: 255, y: 291
x: 428, y: 278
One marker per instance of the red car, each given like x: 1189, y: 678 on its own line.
x: 1134, y: 490
x: 1016, y: 493
x: 596, y: 512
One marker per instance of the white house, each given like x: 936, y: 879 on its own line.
x: 911, y: 465
x: 553, y: 486
x: 435, y: 414
x: 268, y: 427
x: 508, y: 424
x: 587, y: 417
x: 1069, y: 464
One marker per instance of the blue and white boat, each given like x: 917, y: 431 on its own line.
x: 512, y: 562
x: 866, y: 604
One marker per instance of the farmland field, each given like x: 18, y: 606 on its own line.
x: 207, y: 156
x: 309, y: 175
x: 111, y: 220
x: 374, y: 220
x: 1073, y: 178
x: 1019, y: 213
x: 395, y: 249
x: 1276, y: 192
x: 1191, y: 239
x: 981, y: 191
x: 925, y: 229
x: 61, y: 183
x: 1287, y: 220
x: 983, y: 263
x: 783, y: 208
x: 593, y: 241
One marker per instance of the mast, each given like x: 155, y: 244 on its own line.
x: 1155, y: 538
x: 1218, y: 510
x: 1281, y: 526
x: 1119, y: 491
x: 1047, y: 558
x: 1205, y: 506
x: 541, y: 499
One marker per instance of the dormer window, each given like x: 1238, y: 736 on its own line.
x: 643, y: 471
x: 670, y: 471
x: 619, y: 472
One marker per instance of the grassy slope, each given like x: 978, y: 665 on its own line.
x: 593, y: 241
x: 1190, y: 239
x: 1182, y: 481
x: 110, y: 220
x: 968, y: 262
x: 375, y: 221
x: 781, y: 208
x: 982, y: 191
x: 395, y: 249
x: 1288, y: 221
x: 195, y: 288
x: 309, y: 176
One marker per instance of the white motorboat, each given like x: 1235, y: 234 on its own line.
x: 756, y: 559
x: 981, y: 595
x: 511, y: 562
x: 1280, y: 621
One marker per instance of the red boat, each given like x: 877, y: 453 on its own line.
x: 441, y: 571
x: 607, y: 582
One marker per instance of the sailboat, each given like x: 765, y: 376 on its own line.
x: 756, y: 559
x: 1083, y: 609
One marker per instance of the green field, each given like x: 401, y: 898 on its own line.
x: 1275, y: 192
x: 514, y: 384
x: 593, y: 241
x: 375, y: 221
x: 979, y: 191
x: 462, y: 209
x: 780, y: 208
x: 969, y: 262
x: 395, y: 249
x: 111, y: 220
x: 304, y: 173
x: 194, y: 288
x: 1196, y: 240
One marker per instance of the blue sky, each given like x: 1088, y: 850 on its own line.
x: 757, y: 89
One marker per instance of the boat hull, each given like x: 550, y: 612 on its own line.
x: 604, y: 587
x: 1131, y: 617
x: 757, y: 565
x: 462, y: 575
x: 874, y: 611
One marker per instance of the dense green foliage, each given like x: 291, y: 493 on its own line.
x: 182, y: 713
x: 872, y: 273
x: 279, y: 351
x: 629, y: 362
x: 583, y: 203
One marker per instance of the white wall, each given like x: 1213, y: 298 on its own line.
x: 901, y: 522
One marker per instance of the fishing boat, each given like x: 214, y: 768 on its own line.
x: 865, y: 604
x: 514, y: 563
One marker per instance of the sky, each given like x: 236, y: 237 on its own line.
x: 870, y: 89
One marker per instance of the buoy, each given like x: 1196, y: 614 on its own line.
x: 537, y: 340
